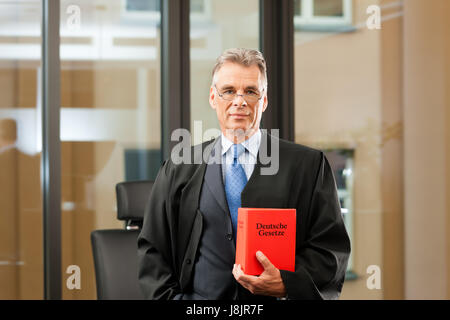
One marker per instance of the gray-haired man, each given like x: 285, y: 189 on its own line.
x: 187, y: 243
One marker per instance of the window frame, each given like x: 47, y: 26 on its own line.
x: 346, y: 196
x: 155, y: 16
x: 308, y: 19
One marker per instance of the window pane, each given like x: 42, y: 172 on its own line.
x: 143, y: 5
x: 198, y: 6
x: 110, y: 119
x: 328, y: 8
x: 347, y: 103
x: 21, y: 246
x: 221, y: 27
x: 298, y: 7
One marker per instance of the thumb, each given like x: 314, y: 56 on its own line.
x: 265, y: 262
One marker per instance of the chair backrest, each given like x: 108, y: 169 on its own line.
x: 115, y: 251
x: 132, y: 197
x: 115, y: 260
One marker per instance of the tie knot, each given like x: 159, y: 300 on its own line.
x: 237, y: 150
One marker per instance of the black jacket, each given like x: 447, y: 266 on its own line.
x: 172, y: 224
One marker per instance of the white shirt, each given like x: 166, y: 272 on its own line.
x: 247, y: 159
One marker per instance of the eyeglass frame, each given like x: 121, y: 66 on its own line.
x: 237, y: 95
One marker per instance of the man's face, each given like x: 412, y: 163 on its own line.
x: 239, y: 113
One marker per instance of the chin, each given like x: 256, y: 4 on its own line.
x: 241, y: 128
x: 240, y: 124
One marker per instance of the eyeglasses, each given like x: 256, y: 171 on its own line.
x: 250, y: 97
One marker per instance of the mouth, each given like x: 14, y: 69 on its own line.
x: 238, y: 115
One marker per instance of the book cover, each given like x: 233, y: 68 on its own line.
x: 271, y: 231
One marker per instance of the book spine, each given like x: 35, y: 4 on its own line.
x: 245, y: 233
x: 249, y: 245
x: 241, y: 240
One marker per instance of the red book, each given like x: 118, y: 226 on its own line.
x: 271, y: 231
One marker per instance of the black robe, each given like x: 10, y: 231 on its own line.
x: 172, y: 224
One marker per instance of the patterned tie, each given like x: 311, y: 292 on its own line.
x: 235, y: 180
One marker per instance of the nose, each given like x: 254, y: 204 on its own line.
x: 239, y: 100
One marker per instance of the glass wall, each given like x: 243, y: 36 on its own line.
x: 348, y: 103
x: 21, y: 245
x: 373, y: 99
x: 110, y: 118
x: 216, y: 26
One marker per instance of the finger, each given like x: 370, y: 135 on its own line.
x: 249, y: 280
x: 237, y: 271
x: 265, y: 262
x: 243, y: 278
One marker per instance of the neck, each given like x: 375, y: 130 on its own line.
x: 239, y: 135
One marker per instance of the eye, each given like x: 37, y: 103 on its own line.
x: 228, y: 91
x: 251, y: 93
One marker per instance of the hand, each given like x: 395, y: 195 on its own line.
x: 269, y: 283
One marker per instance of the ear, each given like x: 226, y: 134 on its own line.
x: 212, y: 98
x: 265, y: 103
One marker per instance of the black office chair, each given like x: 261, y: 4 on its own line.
x: 115, y: 251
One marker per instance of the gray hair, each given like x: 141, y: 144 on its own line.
x: 244, y: 57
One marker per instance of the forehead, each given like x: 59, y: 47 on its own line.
x: 236, y: 74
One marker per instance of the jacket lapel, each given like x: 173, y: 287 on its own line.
x: 190, y: 197
x: 214, y: 178
x: 247, y: 194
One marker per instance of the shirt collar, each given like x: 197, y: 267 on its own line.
x: 252, y: 144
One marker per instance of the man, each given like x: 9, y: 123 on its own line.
x: 187, y: 244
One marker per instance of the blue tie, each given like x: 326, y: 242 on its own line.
x: 235, y: 180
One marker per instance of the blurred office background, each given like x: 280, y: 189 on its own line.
x: 375, y: 100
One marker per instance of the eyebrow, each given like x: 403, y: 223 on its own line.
x: 229, y: 86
